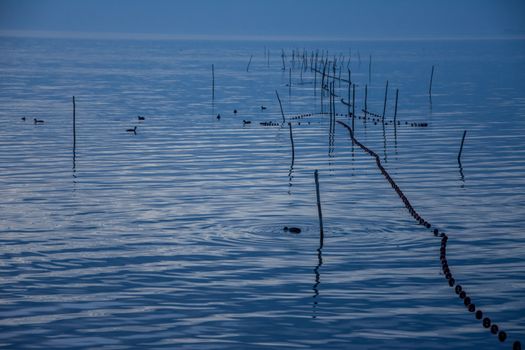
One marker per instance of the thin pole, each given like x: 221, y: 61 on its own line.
x: 353, y: 105
x: 349, y: 88
x: 461, y: 147
x: 370, y: 70
x: 249, y: 62
x: 74, y: 125
x: 315, y: 78
x: 321, y: 233
x: 384, y: 105
x: 431, y: 78
x: 290, y: 81
x: 366, y: 98
x: 212, y: 82
x: 280, y: 105
x: 395, y: 108
x: 291, y: 139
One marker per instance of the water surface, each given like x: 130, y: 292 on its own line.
x: 173, y: 237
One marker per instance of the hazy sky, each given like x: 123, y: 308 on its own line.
x: 350, y: 19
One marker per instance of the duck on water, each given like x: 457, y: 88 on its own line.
x: 295, y: 230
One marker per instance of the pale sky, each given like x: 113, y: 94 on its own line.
x: 351, y: 19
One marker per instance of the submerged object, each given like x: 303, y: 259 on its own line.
x: 292, y: 229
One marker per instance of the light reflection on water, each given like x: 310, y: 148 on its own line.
x: 173, y: 237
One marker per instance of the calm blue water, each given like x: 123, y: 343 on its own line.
x: 172, y: 238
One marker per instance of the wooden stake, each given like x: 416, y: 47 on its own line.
x: 349, y: 88
x: 461, y: 147
x: 395, y: 108
x: 249, y: 62
x: 280, y: 105
x: 366, y: 98
x: 290, y: 81
x: 212, y: 82
x: 370, y: 70
x: 291, y: 139
x: 384, y: 105
x: 431, y: 78
x: 74, y: 126
x: 321, y: 233
x: 353, y: 105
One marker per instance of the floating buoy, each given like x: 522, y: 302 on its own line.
x: 502, y: 336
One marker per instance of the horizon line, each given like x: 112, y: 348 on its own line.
x: 46, y: 34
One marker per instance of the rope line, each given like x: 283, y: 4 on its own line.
x: 458, y: 288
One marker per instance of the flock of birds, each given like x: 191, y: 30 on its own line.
x: 133, y: 130
x: 35, y: 121
x: 244, y: 121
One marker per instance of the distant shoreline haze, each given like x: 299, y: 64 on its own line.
x: 189, y: 37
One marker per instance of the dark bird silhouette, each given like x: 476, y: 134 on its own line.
x: 37, y: 121
x: 234, y: 111
x: 23, y: 118
x: 263, y: 108
x: 292, y: 229
x: 141, y: 118
x: 134, y: 130
x: 246, y: 122
x: 218, y: 116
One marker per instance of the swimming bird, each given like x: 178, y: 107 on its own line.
x: 23, y: 118
x: 134, y: 130
x: 141, y: 118
x: 292, y: 229
x: 234, y: 111
x: 37, y: 121
x: 218, y: 116
x: 263, y: 108
x: 246, y: 122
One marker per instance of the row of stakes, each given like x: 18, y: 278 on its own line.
x: 471, y: 307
